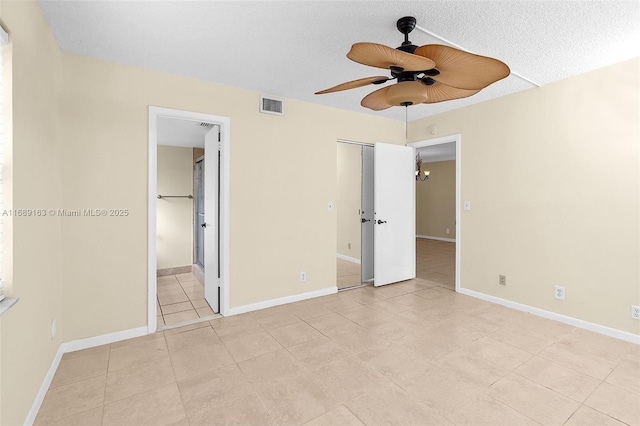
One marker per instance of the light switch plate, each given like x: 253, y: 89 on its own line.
x: 467, y: 205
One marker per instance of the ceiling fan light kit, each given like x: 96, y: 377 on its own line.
x: 426, y: 74
x: 407, y: 93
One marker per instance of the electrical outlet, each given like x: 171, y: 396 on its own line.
x: 447, y: 231
x: 559, y: 292
x: 349, y: 245
x: 303, y: 277
x: 502, y: 279
x: 53, y: 329
x: 635, y: 312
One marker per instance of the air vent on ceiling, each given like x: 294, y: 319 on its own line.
x: 206, y: 124
x: 271, y: 105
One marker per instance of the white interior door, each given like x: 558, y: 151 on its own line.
x: 367, y: 226
x: 211, y: 214
x: 395, y: 214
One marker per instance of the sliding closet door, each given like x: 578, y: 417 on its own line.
x: 367, y: 231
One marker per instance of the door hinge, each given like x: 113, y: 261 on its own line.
x: 219, y: 136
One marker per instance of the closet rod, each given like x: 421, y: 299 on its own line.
x: 175, y: 196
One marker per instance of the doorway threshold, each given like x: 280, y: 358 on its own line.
x: 190, y: 322
x: 353, y: 287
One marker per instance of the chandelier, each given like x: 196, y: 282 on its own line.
x: 420, y: 175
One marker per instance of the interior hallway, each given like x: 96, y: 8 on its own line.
x: 411, y: 353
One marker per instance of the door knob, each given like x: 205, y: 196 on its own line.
x: 204, y: 225
x: 380, y: 222
x: 365, y: 220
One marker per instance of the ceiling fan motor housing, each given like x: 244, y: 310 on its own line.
x: 407, y: 93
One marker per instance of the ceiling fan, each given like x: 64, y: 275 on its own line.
x: 426, y: 74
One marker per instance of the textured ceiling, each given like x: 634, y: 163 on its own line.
x: 295, y: 48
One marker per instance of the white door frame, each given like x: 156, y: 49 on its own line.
x: 457, y: 138
x: 225, y: 125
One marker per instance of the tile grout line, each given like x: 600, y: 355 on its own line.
x: 356, y: 299
x: 175, y: 377
x: 106, y: 379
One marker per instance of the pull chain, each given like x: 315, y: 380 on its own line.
x: 406, y: 120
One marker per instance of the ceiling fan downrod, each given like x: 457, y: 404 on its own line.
x: 405, y: 25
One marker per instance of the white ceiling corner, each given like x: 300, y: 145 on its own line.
x: 292, y: 49
x: 181, y: 133
x: 441, y: 152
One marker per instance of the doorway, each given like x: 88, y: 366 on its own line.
x: 438, y: 239
x: 376, y: 214
x: 215, y: 237
x: 181, y: 280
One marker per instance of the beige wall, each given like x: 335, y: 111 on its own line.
x: 80, y: 128
x: 436, y: 201
x: 553, y: 178
x: 349, y: 199
x: 33, y: 258
x: 559, y: 204
x: 280, y: 225
x: 174, y: 242
x: 5, y: 260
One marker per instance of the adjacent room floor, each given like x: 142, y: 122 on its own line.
x: 435, y: 261
x: 181, y: 299
x: 412, y: 353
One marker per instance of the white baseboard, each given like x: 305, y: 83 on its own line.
x: 281, y: 301
x: 348, y: 259
x: 77, y: 345
x: 429, y: 237
x: 35, y: 407
x: 92, y: 342
x: 597, y: 328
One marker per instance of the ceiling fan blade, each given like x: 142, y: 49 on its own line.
x: 381, y: 56
x: 439, y: 92
x: 462, y: 69
x: 377, y: 100
x: 353, y: 84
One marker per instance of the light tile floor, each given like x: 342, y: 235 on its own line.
x: 435, y: 261
x: 412, y: 353
x: 181, y: 299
